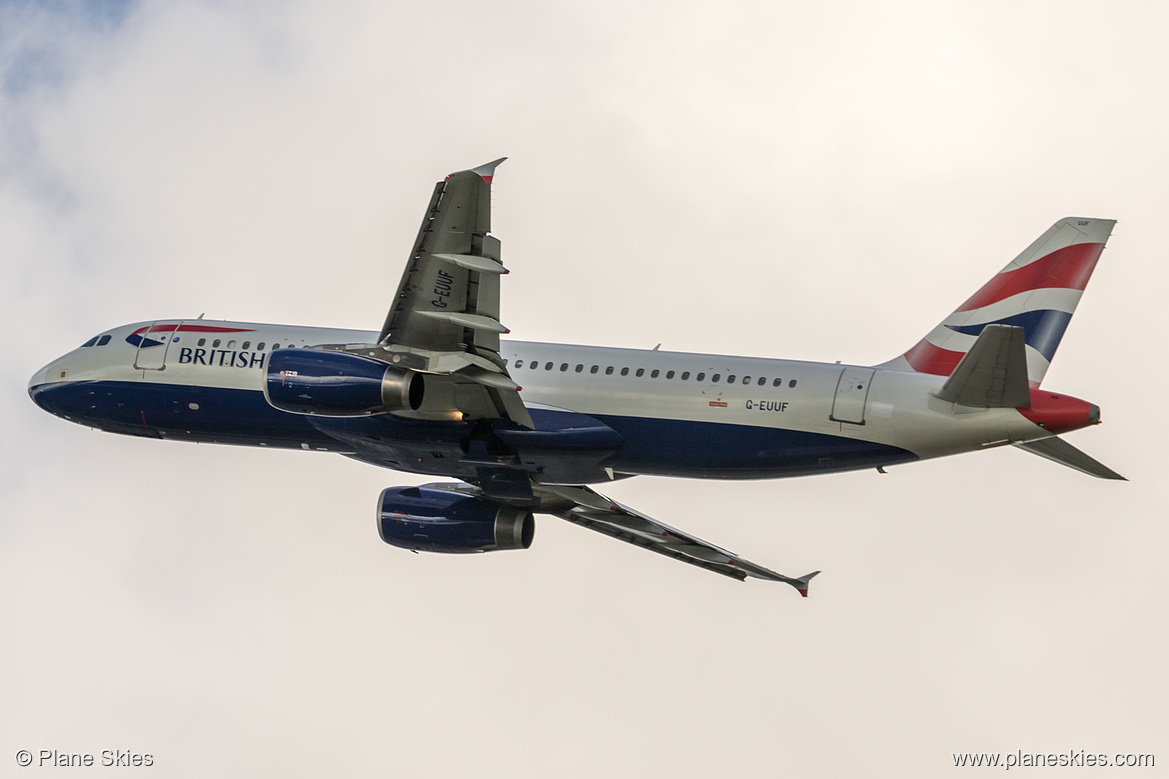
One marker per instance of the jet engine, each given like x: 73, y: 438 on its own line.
x: 429, y: 520
x: 336, y: 384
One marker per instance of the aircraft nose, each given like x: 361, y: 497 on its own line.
x: 38, y: 378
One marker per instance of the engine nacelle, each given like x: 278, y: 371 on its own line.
x: 337, y: 384
x: 431, y: 520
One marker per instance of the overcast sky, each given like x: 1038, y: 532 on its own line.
x: 814, y: 181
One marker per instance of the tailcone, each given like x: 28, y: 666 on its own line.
x: 1058, y: 414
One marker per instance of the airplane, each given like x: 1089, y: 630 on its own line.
x: 527, y: 427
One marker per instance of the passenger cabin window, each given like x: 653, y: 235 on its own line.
x: 202, y: 342
x: 579, y: 367
x: 563, y: 367
x: 762, y: 380
x: 669, y: 374
x: 215, y: 344
x: 246, y: 345
x: 231, y: 344
x: 700, y: 377
x: 715, y: 378
x: 640, y: 372
x: 685, y: 375
x: 260, y: 346
x: 777, y: 383
x: 746, y: 379
x: 655, y: 373
x: 547, y: 366
x: 792, y: 383
x: 609, y: 371
x: 731, y: 379
x: 518, y: 363
x: 624, y: 371
x: 594, y: 369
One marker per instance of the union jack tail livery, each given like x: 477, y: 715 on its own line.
x: 1038, y: 291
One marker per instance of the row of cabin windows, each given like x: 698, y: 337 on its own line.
x: 655, y: 373
x: 245, y: 345
x: 97, y: 340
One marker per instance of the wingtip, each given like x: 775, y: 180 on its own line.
x: 801, y: 584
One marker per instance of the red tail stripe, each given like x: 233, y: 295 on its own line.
x: 927, y: 358
x: 1066, y: 268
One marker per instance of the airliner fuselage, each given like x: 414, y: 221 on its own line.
x: 526, y: 425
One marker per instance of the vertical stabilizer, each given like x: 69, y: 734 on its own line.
x: 1038, y: 291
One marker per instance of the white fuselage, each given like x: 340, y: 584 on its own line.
x: 638, y: 392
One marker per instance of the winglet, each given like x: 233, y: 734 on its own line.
x: 486, y: 171
x: 801, y: 583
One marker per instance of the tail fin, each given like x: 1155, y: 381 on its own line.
x: 1038, y: 291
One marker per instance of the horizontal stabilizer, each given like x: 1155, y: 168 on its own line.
x: 1058, y: 450
x: 993, y: 374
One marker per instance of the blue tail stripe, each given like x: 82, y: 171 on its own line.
x: 1043, y: 329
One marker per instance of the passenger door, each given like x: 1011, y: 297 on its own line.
x: 154, y: 345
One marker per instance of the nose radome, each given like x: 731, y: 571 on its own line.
x: 39, y: 378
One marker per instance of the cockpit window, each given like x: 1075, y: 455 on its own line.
x: 105, y: 339
x: 90, y: 342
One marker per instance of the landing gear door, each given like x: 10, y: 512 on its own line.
x: 852, y: 390
x: 153, y: 345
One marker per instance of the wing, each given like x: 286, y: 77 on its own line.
x: 448, y: 299
x: 588, y: 508
x: 444, y: 319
